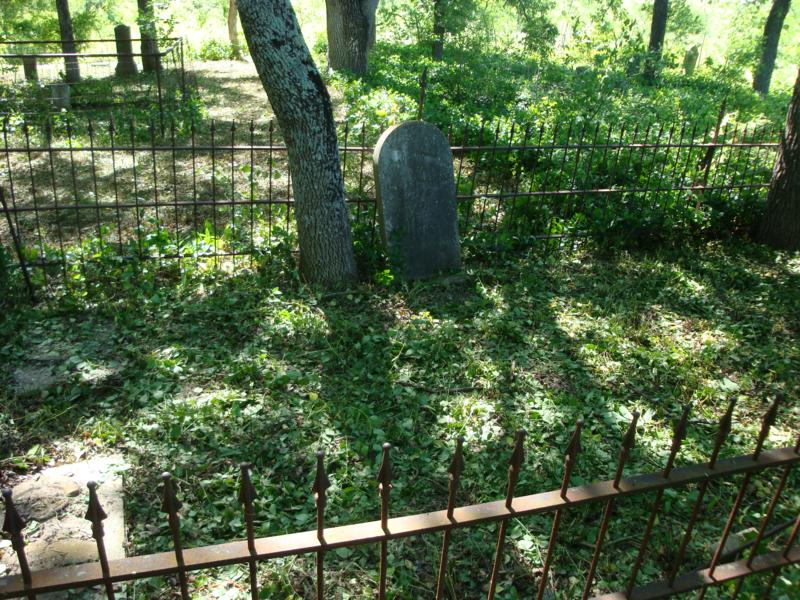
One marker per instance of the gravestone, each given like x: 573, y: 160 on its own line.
x: 62, y: 98
x: 126, y: 66
x: 31, y: 68
x: 417, y: 199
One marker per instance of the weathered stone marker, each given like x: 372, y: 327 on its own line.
x: 31, y: 68
x: 62, y: 96
x: 417, y: 199
x: 126, y: 66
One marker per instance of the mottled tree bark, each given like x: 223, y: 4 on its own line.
x: 780, y: 226
x: 351, y: 33
x: 769, y: 45
x: 658, y: 30
x: 303, y: 109
x: 72, y: 71
x: 151, y: 61
x: 437, y: 49
x: 233, y: 30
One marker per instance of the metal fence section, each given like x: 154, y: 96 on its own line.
x: 766, y: 553
x: 32, y: 76
x: 79, y: 192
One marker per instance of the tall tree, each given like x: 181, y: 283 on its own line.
x: 72, y: 70
x: 305, y: 115
x: 233, y: 30
x: 780, y: 226
x: 658, y: 29
x: 437, y: 49
x: 351, y: 33
x: 151, y: 61
x: 769, y: 45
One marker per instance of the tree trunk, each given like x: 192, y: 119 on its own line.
x: 769, y: 45
x: 305, y: 115
x: 780, y: 226
x: 72, y: 71
x: 350, y: 26
x: 151, y: 61
x: 658, y: 29
x: 437, y: 50
x: 233, y: 30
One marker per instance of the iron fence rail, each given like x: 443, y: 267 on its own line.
x: 181, y: 561
x: 148, y: 194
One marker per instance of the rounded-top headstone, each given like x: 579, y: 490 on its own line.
x: 417, y: 199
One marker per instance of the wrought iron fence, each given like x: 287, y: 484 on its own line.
x: 724, y: 569
x: 220, y: 192
x: 32, y: 75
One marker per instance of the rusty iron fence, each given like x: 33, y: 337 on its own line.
x: 31, y: 70
x: 724, y: 569
x: 78, y: 191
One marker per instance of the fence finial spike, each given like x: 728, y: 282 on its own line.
x: 574, y: 445
x: 94, y: 512
x: 680, y: 429
x: 456, y: 467
x: 629, y: 439
x: 247, y: 493
x: 170, y: 503
x: 385, y: 473
x: 13, y: 523
x: 518, y: 454
x: 321, y: 481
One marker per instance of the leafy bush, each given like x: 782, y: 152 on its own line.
x: 216, y: 50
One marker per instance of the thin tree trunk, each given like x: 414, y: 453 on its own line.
x: 769, y: 45
x: 780, y: 226
x: 151, y: 61
x: 658, y: 30
x: 72, y: 71
x: 305, y: 115
x: 437, y: 49
x: 350, y: 26
x: 233, y: 30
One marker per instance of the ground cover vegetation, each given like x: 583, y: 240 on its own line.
x: 248, y: 362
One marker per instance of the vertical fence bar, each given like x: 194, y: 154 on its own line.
x: 178, y: 248
x: 35, y: 201
x: 76, y: 199
x: 628, y: 442
x: 767, y: 422
x: 10, y: 173
x: 723, y: 430
x: 454, y: 478
x: 766, y: 519
x: 234, y: 232
x: 492, y: 161
x: 514, y: 470
x: 171, y: 505
x: 13, y: 524
x: 269, y: 184
x: 193, y: 134
x: 247, y: 494
x: 570, y: 455
x: 320, y: 489
x: 384, y: 488
x: 678, y: 435
x: 252, y: 194
x: 114, y: 180
x: 134, y: 173
x: 214, y: 188
x: 52, y: 169
x: 159, y: 244
x: 23, y: 265
x: 96, y: 515
x: 95, y: 189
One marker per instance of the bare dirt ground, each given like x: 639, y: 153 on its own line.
x: 231, y: 90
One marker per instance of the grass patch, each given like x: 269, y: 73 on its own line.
x: 262, y: 368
